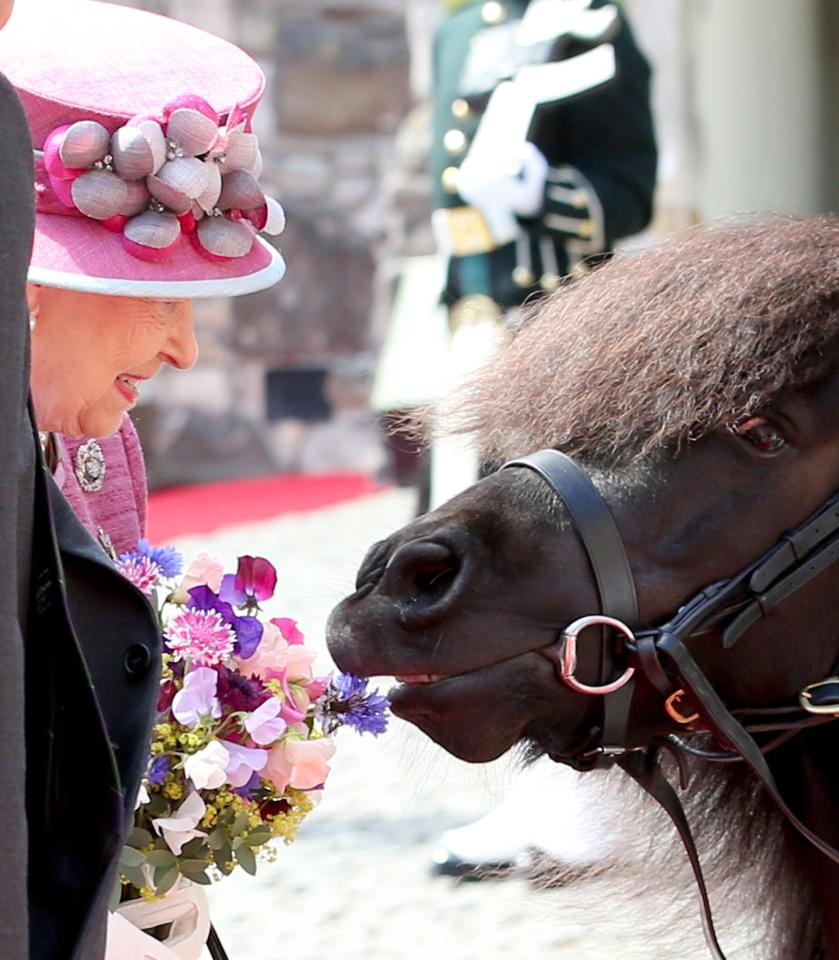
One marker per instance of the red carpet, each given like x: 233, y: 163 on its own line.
x: 179, y: 511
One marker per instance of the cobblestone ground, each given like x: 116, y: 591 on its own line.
x: 356, y: 885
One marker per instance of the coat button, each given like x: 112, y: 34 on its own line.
x: 449, y: 178
x: 137, y: 660
x: 461, y: 109
x: 455, y: 142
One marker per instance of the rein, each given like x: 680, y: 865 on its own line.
x: 662, y: 656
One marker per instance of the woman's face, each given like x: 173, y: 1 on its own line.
x: 91, y: 354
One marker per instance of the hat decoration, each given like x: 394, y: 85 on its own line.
x: 157, y: 179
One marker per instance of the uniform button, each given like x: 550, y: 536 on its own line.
x: 585, y: 229
x: 523, y: 276
x: 449, y: 179
x: 493, y: 12
x: 549, y: 282
x: 455, y: 142
x: 579, y: 199
x: 579, y: 270
x: 137, y: 660
x: 461, y: 109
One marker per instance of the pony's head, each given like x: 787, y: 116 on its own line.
x: 698, y: 384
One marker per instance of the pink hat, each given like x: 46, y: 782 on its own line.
x: 145, y: 164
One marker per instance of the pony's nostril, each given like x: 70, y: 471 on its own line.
x: 421, y: 572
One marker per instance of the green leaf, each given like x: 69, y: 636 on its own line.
x: 246, y: 859
x: 196, y: 849
x: 257, y: 837
x: 237, y: 842
x: 131, y: 857
x: 139, y: 838
x: 164, y: 879
x: 195, y: 870
x: 158, y: 806
x: 223, y: 856
x: 135, y: 876
x: 240, y: 824
x: 160, y: 858
x: 116, y: 895
x: 218, y: 839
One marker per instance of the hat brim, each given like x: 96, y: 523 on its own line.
x: 72, y: 253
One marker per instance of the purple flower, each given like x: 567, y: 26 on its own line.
x: 248, y: 630
x: 255, y: 580
x: 240, y: 694
x: 347, y: 703
x: 158, y: 771
x: 244, y: 762
x: 197, y: 698
x: 253, y: 786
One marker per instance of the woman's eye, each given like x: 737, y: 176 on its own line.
x: 762, y: 434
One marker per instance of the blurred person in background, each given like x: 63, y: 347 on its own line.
x: 146, y: 197
x: 543, y: 155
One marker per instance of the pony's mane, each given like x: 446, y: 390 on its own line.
x: 657, y: 348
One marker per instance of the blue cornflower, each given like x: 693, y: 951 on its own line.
x: 347, y: 703
x: 159, y: 771
x: 168, y: 558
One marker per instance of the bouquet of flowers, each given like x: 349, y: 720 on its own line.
x: 241, y: 748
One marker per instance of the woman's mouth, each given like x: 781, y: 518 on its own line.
x: 127, y: 386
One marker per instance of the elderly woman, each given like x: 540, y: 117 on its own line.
x: 147, y: 196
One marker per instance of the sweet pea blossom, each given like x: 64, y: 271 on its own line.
x: 180, y: 827
x: 207, y: 768
x: 255, y: 580
x: 198, y: 697
x: 289, y: 629
x: 299, y: 763
x: 243, y: 763
x: 204, y: 569
x: 271, y: 654
x: 265, y: 725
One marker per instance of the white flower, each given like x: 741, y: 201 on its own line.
x: 142, y: 796
x: 180, y: 827
x: 207, y: 768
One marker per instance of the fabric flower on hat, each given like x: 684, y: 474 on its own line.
x: 157, y: 179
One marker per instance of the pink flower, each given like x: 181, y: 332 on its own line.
x: 271, y: 654
x: 299, y: 763
x: 243, y: 762
x: 143, y: 572
x: 299, y: 668
x: 201, y: 636
x: 289, y: 630
x: 265, y: 725
x: 204, y: 569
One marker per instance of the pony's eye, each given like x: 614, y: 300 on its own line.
x: 762, y: 434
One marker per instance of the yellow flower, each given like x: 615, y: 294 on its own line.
x: 172, y: 790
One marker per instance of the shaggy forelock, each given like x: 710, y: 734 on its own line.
x: 657, y: 348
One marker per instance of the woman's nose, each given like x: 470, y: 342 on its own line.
x: 182, y: 348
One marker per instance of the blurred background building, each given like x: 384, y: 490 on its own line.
x: 744, y: 96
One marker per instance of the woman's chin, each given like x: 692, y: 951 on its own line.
x: 98, y: 423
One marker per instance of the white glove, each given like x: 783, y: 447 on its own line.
x: 504, y: 188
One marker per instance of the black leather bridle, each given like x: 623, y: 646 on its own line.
x: 661, y: 654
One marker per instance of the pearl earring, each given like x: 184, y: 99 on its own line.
x: 33, y: 319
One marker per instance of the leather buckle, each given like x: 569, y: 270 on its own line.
x: 673, y: 713
x: 467, y: 231
x: 821, y: 698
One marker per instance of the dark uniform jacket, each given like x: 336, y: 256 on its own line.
x: 600, y: 147
x: 80, y: 654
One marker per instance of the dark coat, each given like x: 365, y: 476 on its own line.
x: 80, y: 654
x: 600, y: 146
x: 17, y: 457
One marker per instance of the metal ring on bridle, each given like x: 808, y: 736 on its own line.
x: 568, y: 654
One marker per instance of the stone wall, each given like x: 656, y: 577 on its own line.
x: 339, y: 84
